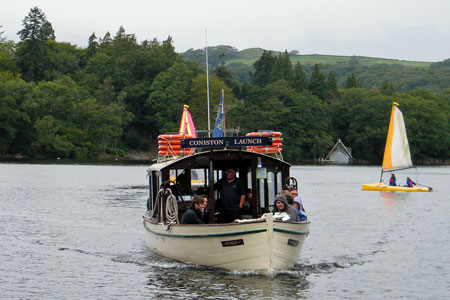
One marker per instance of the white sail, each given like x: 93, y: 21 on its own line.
x: 396, y: 153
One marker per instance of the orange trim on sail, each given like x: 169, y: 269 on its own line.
x: 387, y: 159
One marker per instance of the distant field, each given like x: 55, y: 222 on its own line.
x: 331, y: 59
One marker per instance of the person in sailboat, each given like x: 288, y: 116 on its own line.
x: 393, y: 180
x: 195, y: 213
x: 409, y: 182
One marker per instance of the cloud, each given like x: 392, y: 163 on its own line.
x: 401, y: 29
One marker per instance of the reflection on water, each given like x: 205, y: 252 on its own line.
x: 71, y: 232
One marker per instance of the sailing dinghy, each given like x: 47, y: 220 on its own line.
x: 396, y: 155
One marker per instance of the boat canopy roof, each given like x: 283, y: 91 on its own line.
x: 221, y: 158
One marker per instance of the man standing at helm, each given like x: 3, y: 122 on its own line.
x: 231, y: 196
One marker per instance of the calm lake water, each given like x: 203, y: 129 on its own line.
x: 75, y: 232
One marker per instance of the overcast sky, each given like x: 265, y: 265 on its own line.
x: 401, y: 29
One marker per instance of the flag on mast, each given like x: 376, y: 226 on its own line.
x: 186, y: 124
x: 219, y: 127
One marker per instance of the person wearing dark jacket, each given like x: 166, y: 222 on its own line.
x: 281, y: 205
x: 195, y: 213
x: 231, y: 196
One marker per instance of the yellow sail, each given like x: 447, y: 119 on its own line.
x: 396, y: 153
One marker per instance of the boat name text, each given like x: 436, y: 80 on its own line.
x: 221, y: 142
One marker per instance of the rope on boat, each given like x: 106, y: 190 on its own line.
x: 159, y: 196
x: 171, y: 208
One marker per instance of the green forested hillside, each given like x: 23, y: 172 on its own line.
x: 118, y: 95
x: 371, y: 72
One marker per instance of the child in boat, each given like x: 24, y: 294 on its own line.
x: 409, y: 182
x: 298, y: 205
x: 393, y: 180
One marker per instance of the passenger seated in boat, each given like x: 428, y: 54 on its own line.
x: 409, y: 182
x: 393, y: 180
x: 298, y: 205
x: 247, y: 208
x: 281, y: 206
x: 293, y: 191
x: 231, y: 196
x: 289, y: 197
x: 182, y: 186
x: 195, y: 214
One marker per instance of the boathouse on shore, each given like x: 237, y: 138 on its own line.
x: 339, y: 154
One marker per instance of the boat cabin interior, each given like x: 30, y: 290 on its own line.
x: 183, y: 177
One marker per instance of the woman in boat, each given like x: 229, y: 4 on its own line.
x: 281, y: 205
x: 393, y: 180
x: 247, y: 208
x: 195, y: 213
x: 409, y: 182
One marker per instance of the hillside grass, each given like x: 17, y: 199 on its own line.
x: 249, y: 56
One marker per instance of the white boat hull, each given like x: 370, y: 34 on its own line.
x: 254, y: 245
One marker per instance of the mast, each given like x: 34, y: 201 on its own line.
x: 207, y: 82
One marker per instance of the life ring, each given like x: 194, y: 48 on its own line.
x: 169, y: 147
x: 265, y: 133
x: 273, y: 145
x: 174, y: 136
x: 276, y: 140
x: 264, y: 147
x: 265, y: 150
x: 169, y: 142
x: 174, y: 152
x: 276, y: 146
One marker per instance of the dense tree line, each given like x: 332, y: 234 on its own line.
x: 116, y: 95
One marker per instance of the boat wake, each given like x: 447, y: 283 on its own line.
x: 343, y: 262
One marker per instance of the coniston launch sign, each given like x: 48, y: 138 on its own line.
x: 222, y: 142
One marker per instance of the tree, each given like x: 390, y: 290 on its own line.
x: 427, y: 124
x: 92, y: 46
x: 199, y: 105
x: 224, y: 74
x: 299, y: 82
x: 331, y: 83
x: 169, y: 91
x: 387, y: 88
x: 7, y: 49
x: 32, y: 56
x: 352, y: 82
x: 263, y: 69
x: 36, y: 27
x: 361, y: 119
x: 282, y: 68
x: 317, y: 83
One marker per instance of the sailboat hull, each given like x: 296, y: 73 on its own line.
x: 383, y: 187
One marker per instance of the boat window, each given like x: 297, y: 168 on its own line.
x: 271, y: 178
x: 198, y: 181
x: 249, y: 180
x: 279, y: 179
